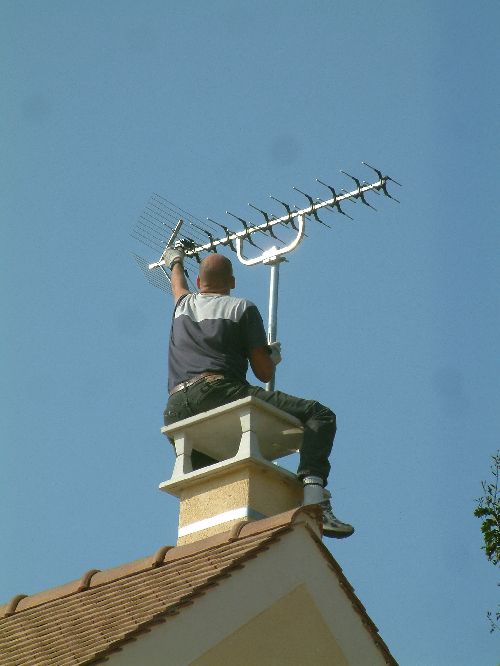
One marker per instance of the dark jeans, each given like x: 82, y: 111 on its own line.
x: 319, y: 422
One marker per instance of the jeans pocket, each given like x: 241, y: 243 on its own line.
x: 207, y: 395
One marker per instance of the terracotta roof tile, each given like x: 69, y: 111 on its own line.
x: 83, y: 621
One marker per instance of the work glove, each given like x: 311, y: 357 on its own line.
x: 275, y: 352
x: 173, y: 254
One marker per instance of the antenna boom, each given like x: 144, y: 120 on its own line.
x: 284, y: 219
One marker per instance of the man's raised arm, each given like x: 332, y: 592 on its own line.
x: 174, y: 259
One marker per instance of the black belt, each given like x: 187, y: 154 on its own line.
x: 194, y: 380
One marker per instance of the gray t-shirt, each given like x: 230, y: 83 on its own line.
x: 212, y: 332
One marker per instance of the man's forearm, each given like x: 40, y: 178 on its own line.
x: 178, y: 279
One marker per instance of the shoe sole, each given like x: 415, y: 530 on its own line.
x: 332, y: 534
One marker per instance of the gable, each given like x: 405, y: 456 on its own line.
x: 291, y: 631
x: 182, y: 603
x: 262, y: 600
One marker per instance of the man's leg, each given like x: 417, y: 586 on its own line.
x: 319, y: 429
x: 319, y: 422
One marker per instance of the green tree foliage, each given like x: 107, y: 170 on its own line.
x: 488, y: 509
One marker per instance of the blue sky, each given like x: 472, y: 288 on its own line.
x: 392, y: 320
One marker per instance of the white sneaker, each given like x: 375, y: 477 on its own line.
x: 314, y: 493
x: 332, y: 526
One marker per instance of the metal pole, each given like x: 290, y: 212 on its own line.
x: 272, y: 328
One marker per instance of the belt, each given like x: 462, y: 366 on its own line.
x: 195, y: 380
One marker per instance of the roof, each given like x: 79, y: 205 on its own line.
x: 84, y: 621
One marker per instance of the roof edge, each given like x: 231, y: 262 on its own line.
x: 165, y: 554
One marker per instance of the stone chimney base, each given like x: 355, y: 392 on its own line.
x: 213, y: 499
x: 245, y: 486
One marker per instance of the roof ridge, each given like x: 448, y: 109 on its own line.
x: 244, y: 532
x: 84, y: 627
x: 29, y: 634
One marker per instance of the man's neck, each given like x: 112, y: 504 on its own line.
x: 215, y: 292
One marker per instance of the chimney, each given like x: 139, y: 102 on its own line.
x: 245, y: 437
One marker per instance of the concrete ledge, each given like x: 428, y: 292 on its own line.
x: 219, y: 432
x: 176, y: 485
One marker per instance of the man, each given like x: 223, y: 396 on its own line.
x: 213, y: 337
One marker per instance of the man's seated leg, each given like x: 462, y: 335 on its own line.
x: 319, y: 432
x: 319, y: 429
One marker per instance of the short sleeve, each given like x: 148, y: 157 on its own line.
x: 253, y: 333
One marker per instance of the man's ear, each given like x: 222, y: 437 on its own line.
x: 198, y: 282
x: 233, y: 282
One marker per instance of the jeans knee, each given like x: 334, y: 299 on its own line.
x: 332, y: 418
x: 323, y: 413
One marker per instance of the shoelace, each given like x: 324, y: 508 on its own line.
x: 329, y: 515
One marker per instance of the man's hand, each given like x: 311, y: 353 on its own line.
x: 275, y: 352
x: 173, y: 255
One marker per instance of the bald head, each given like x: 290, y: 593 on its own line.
x: 216, y: 275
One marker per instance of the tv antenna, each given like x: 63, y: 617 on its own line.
x: 160, y: 224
